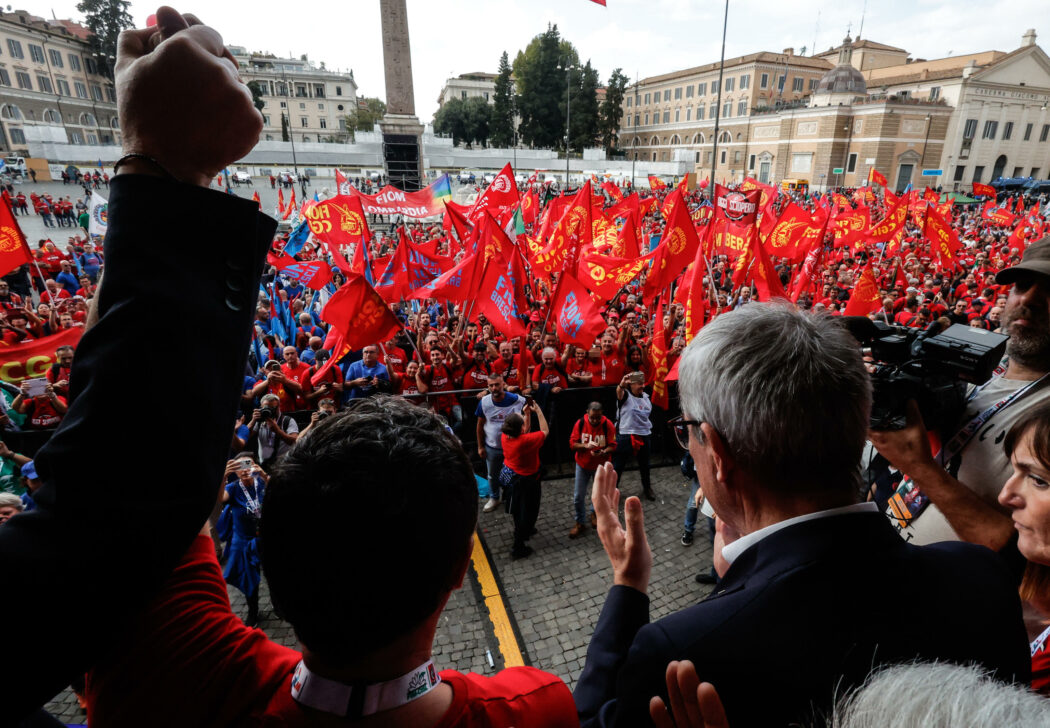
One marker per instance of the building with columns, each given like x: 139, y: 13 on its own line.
x: 313, y: 99
x: 50, y: 86
x: 960, y: 119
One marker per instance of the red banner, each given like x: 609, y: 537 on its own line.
x: 428, y: 202
x: 32, y: 360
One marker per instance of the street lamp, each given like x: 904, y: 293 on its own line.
x: 922, y: 161
x: 568, y: 101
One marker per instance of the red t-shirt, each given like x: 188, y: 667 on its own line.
x: 509, y: 371
x: 476, y: 377
x: 609, y: 369
x: 553, y: 377
x: 395, y: 359
x: 522, y: 454
x: 604, y: 434
x: 41, y: 414
x: 577, y: 369
x: 440, y: 379
x: 207, y: 668
x: 301, y: 376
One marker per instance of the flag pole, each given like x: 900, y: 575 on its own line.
x: 718, y: 102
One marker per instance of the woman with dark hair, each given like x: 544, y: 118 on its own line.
x: 521, y: 473
x: 1027, y: 495
x: 238, y: 527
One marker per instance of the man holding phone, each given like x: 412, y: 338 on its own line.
x: 40, y: 404
x: 492, y: 411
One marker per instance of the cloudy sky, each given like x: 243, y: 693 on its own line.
x: 643, y: 37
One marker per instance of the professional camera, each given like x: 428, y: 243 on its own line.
x: 929, y: 365
x: 268, y: 413
x: 323, y: 415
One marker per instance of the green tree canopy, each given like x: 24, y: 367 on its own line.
x: 540, y: 72
x: 467, y: 121
x: 105, y: 19
x: 583, y: 111
x: 503, y: 102
x: 612, y: 110
x: 365, y: 115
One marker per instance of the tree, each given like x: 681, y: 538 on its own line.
x: 467, y: 121
x: 502, y: 128
x: 105, y: 19
x: 256, y: 88
x: 540, y: 71
x: 364, y: 118
x: 583, y: 114
x: 612, y: 110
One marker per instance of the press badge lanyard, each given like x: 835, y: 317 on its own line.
x: 252, y: 503
x: 357, y: 700
x: 908, y: 501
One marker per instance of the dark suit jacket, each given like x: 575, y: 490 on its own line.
x: 804, y: 614
x: 119, y: 505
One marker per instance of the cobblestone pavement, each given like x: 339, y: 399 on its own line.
x: 554, y: 596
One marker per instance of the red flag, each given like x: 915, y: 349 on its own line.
x: 501, y: 295
x: 676, y: 250
x: 696, y: 302
x: 613, y: 189
x: 876, y: 177
x: 360, y: 314
x: 764, y: 274
x: 13, y: 248
x: 342, y: 184
x: 291, y: 206
x: 572, y: 233
x: 499, y: 198
x: 656, y: 184
x: 865, y: 295
x: 658, y: 361
x: 600, y: 2
x: 627, y: 238
x: 453, y: 285
x: 982, y: 190
x: 809, y: 274
x: 530, y: 207
x: 738, y: 207
x: 1020, y: 205
x: 255, y: 196
x: 790, y: 239
x: 576, y: 319
x: 606, y: 276
x: 890, y: 225
x: 315, y: 274
x: 280, y: 201
x: 942, y: 235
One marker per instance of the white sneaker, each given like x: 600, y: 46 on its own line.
x: 490, y: 505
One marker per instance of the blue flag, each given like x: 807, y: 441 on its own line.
x: 297, y: 239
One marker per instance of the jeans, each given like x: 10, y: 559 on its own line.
x: 494, y: 464
x: 691, y: 510
x: 623, y: 453
x: 579, y: 493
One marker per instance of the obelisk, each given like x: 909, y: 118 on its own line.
x: 402, y: 132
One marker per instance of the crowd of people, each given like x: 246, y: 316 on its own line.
x: 773, y: 398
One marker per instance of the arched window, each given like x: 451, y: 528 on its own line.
x: 724, y: 138
x: 114, y: 123
x: 87, y: 119
x: 637, y: 141
x: 675, y: 140
x: 10, y: 111
x: 654, y: 142
x: 698, y: 139
x: 52, y: 117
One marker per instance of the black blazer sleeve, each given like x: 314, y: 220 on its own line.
x: 626, y: 611
x: 116, y: 511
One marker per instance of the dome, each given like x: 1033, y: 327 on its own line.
x: 844, y: 78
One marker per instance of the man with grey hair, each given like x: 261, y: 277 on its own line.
x: 816, y: 588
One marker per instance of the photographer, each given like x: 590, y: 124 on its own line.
x: 952, y: 495
x: 43, y: 410
x: 325, y: 409
x: 272, y: 434
x: 238, y: 527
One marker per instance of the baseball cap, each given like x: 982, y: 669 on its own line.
x: 1036, y: 260
x: 29, y: 471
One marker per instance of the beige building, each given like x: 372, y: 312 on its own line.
x: 314, y: 100
x: 468, y: 86
x: 674, y: 114
x: 50, y: 85
x: 945, y: 122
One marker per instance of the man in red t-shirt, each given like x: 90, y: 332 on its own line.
x: 298, y: 373
x: 549, y: 371
x: 593, y: 439
x: 609, y: 361
x: 507, y: 366
x: 439, y: 376
x: 275, y: 382
x: 476, y: 372
x: 43, y: 411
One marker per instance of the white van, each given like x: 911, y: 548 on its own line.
x: 15, y: 166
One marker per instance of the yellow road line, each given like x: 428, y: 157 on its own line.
x: 501, y: 625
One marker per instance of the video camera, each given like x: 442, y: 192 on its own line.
x: 928, y: 365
